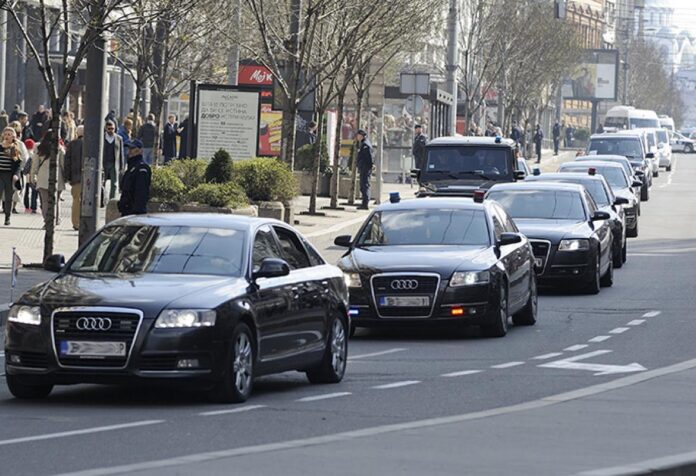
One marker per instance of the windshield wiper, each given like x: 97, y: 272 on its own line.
x: 475, y: 172
x: 448, y: 172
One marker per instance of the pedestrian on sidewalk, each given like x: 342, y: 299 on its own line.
x: 556, y: 137
x: 515, y: 133
x: 9, y: 169
x: 73, y: 175
x: 31, y: 195
x: 27, y: 131
x: 365, y: 164
x: 40, y: 173
x: 169, y: 139
x: 4, y: 120
x: 147, y: 135
x: 40, y: 121
x: 135, y: 184
x: 14, y: 115
x: 183, y: 137
x: 569, y: 136
x: 112, y: 160
x: 68, y: 128
x: 538, y: 140
x: 24, y: 159
x: 420, y: 140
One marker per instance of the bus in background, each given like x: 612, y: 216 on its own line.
x: 666, y: 122
x: 628, y: 117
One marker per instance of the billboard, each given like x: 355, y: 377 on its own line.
x: 594, y: 78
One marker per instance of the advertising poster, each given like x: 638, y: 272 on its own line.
x: 595, y: 77
x: 228, y: 119
x: 270, y: 131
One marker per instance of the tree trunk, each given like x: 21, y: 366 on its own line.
x: 354, y: 154
x: 287, y: 149
x: 316, y: 167
x: 50, y: 207
x: 336, y: 177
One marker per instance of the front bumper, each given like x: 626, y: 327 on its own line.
x: 567, y: 266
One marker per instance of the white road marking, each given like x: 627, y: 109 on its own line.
x: 636, y: 322
x: 336, y: 227
x: 2, y: 354
x: 573, y: 348
x: 547, y: 356
x: 323, y: 397
x: 619, y: 330
x: 178, y: 461
x: 85, y: 431
x: 507, y: 365
x: 404, y: 383
x: 599, y: 339
x: 652, y: 314
x: 461, y: 373
x: 377, y: 354
x: 572, y: 363
x: 664, y: 465
x: 232, y: 410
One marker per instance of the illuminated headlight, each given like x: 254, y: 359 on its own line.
x: 574, y: 245
x: 25, y: 315
x: 469, y: 278
x: 175, y: 318
x: 352, y: 280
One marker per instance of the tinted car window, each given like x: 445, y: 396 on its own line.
x: 293, y: 250
x: 595, y: 188
x: 314, y: 257
x: 626, y: 146
x: 615, y: 177
x: 551, y: 204
x: 265, y: 246
x: 637, y: 123
x: 426, y: 227
x: 468, y: 161
x: 163, y: 249
x: 662, y: 136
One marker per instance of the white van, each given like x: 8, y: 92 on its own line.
x: 628, y: 117
x: 666, y: 122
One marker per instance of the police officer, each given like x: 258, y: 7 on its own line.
x: 135, y: 183
x: 556, y: 137
x: 418, y: 149
x: 538, y: 139
x: 365, y: 163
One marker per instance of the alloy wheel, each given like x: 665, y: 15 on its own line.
x: 338, y: 347
x: 242, y: 367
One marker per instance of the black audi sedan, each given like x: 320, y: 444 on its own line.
x: 212, y: 301
x: 571, y: 238
x: 634, y: 174
x: 440, y: 261
x: 606, y: 201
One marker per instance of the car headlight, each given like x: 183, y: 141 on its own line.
x: 25, y: 315
x: 352, y: 280
x: 574, y: 245
x: 469, y: 278
x: 176, y: 318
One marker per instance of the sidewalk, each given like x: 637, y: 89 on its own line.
x: 550, y: 162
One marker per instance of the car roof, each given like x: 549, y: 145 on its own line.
x: 546, y: 186
x: 591, y: 163
x: 624, y: 134
x: 201, y: 220
x: 607, y: 157
x: 565, y: 176
x: 430, y: 203
x: 471, y: 140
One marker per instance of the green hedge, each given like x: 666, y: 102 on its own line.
x: 166, y: 186
x: 190, y: 171
x: 219, y: 169
x: 265, y: 179
x: 219, y: 195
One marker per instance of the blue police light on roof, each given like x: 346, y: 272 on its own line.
x: 394, y: 197
x: 498, y: 139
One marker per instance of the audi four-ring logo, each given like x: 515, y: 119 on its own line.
x: 93, y: 324
x: 404, y: 284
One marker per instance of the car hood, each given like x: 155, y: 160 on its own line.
x: 552, y: 230
x: 461, y: 187
x: 432, y: 259
x: 148, y: 292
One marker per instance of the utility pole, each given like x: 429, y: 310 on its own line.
x: 93, y: 139
x: 234, y: 53
x: 452, y: 61
x: 3, y: 56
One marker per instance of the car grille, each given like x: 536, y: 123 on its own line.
x: 124, y: 326
x: 417, y: 285
x: 541, y: 250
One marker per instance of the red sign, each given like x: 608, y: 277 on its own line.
x: 254, y: 75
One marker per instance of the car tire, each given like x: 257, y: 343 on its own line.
x: 624, y: 252
x: 644, y: 193
x: 617, y: 258
x: 688, y: 148
x: 594, y: 285
x: 333, y: 363
x: 21, y: 390
x: 500, y: 327
x: 656, y: 173
x: 668, y: 168
x: 238, y: 376
x: 632, y: 232
x: 607, y: 280
x: 527, y: 316
x: 353, y: 328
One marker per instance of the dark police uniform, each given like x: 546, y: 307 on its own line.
x: 135, y: 187
x: 418, y: 150
x: 365, y: 163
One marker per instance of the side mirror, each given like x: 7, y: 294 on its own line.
x: 520, y: 174
x: 272, y: 268
x: 600, y: 216
x: 415, y: 173
x: 637, y: 183
x: 640, y: 172
x: 649, y: 155
x: 509, y: 239
x: 54, y: 263
x: 621, y: 201
x: 343, y: 241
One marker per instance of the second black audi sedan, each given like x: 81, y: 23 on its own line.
x: 571, y: 238
x: 209, y: 300
x: 440, y: 261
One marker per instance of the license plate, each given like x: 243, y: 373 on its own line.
x: 89, y: 349
x: 404, y: 301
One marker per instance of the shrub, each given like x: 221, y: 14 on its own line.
x: 218, y: 195
x: 265, y: 179
x: 219, y: 169
x: 190, y: 171
x: 165, y: 185
x: 581, y: 134
x: 304, y: 158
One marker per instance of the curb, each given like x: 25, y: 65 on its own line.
x: 4, y: 310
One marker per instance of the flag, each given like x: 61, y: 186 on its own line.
x: 16, y: 264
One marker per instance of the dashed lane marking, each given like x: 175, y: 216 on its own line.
x: 573, y: 348
x: 599, y: 339
x: 652, y: 314
x: 619, y: 330
x: 461, y: 373
x: 507, y: 365
x: 325, y: 396
x: 636, y: 322
x: 404, y: 383
x: 233, y: 410
x: 377, y: 354
x: 547, y: 356
x: 85, y: 431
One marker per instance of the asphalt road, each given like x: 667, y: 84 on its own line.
x: 419, y: 402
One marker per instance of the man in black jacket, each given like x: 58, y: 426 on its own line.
x: 419, y: 142
x: 135, y: 184
x: 365, y: 163
x: 147, y: 134
x: 556, y: 137
x: 73, y: 175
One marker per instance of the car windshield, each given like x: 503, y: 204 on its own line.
x: 545, y: 204
x: 426, y: 227
x: 623, y: 162
x: 466, y: 161
x: 662, y: 136
x: 651, y: 140
x: 638, y: 123
x: 594, y: 187
x: 163, y: 249
x: 618, y: 122
x: 628, y: 147
x: 614, y: 176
